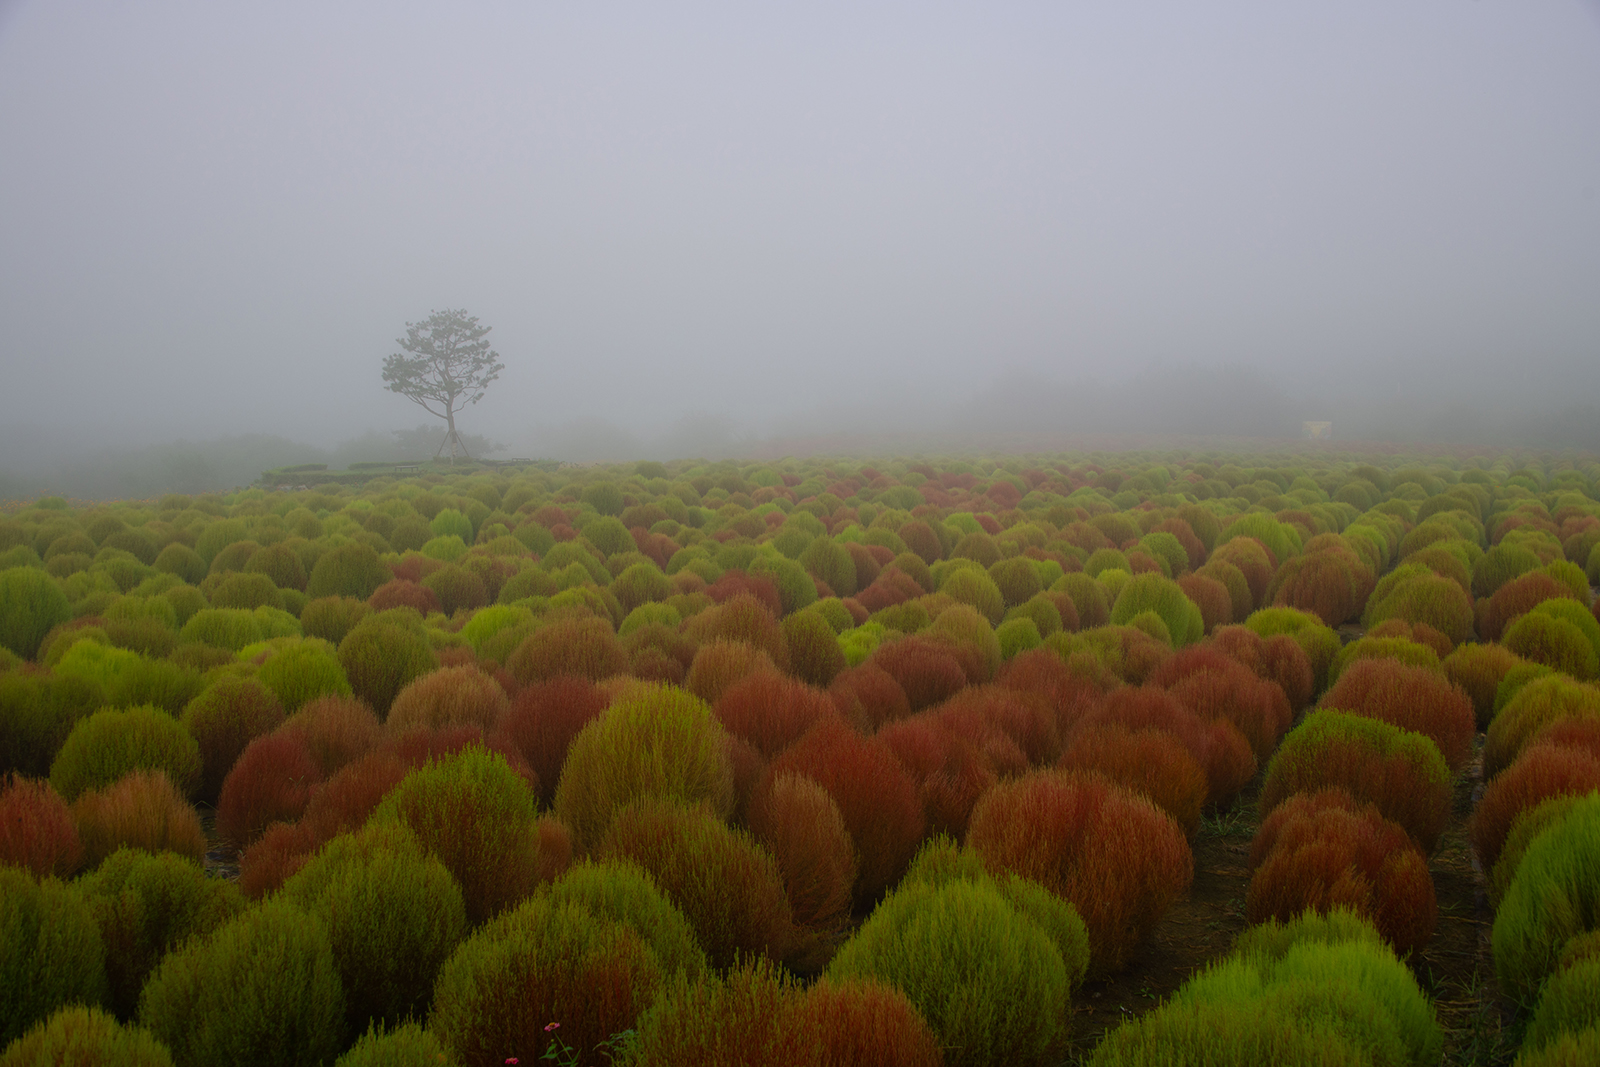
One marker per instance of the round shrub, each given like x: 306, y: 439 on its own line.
x: 626, y: 893
x: 351, y: 569
x: 1569, y: 1003
x: 140, y: 810
x: 402, y: 593
x: 183, y: 561
x: 451, y: 696
x: 1320, y: 643
x: 457, y: 589
x: 393, y: 915
x: 85, y: 1035
x: 770, y: 711
x: 1478, y: 670
x: 281, y: 564
x: 1555, y: 642
x: 111, y: 743
x: 1542, y: 771
x: 814, y: 654
x: 726, y: 884
x: 1536, y: 705
x: 801, y: 825
x: 1412, y: 698
x: 1321, y: 851
x: 272, y: 781
x: 147, y: 905
x: 1398, y: 771
x: 230, y: 628
x: 876, y: 797
x: 990, y: 981
x: 1553, y: 898
x: 36, y: 829
x: 582, y: 647
x: 245, y: 591
x: 1425, y: 598
x: 227, y: 715
x: 1516, y: 597
x: 302, y: 671
x: 37, y: 712
x: 476, y: 815
x: 541, y: 721
x: 51, y: 953
x: 1152, y: 763
x: 831, y: 564
x: 1500, y: 565
x: 31, y: 603
x: 540, y: 963
x: 260, y: 990
x: 381, y: 656
x: 657, y: 743
x: 1155, y: 593
x: 451, y: 523
x: 1119, y: 859
x: 336, y: 731
x: 331, y: 618
x: 408, y: 1045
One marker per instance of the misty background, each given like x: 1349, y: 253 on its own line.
x: 729, y: 229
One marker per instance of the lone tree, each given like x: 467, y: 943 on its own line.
x: 447, y: 364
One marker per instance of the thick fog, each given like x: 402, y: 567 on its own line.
x: 697, y: 226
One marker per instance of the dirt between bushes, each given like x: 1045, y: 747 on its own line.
x: 1456, y: 968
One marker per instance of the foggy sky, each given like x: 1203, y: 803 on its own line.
x: 216, y: 217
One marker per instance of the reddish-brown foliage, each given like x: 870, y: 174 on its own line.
x: 868, y: 696
x: 1412, y: 698
x: 1257, y: 707
x: 719, y: 664
x: 1218, y: 746
x: 928, y: 671
x: 1211, y: 597
x: 861, y: 1022
x: 1519, y: 595
x: 344, y: 801
x: 584, y: 647
x: 141, y: 810
x: 1332, y: 585
x: 1192, y: 545
x: 998, y: 748
x: 1116, y: 856
x: 402, y: 593
x: 1284, y: 662
x: 223, y: 719
x: 1195, y: 659
x: 875, y: 795
x: 1419, y: 632
x: 950, y: 771
x: 920, y: 538
x: 450, y: 696
x: 542, y: 720
x: 726, y: 885
x: 274, y: 858
x: 420, y: 745
x: 272, y: 782
x: 733, y: 584
x: 1026, y: 719
x: 336, y: 729
x: 414, y: 567
x: 892, y: 586
x: 865, y: 561
x: 1045, y: 675
x: 36, y: 829
x: 1153, y: 763
x: 1543, y: 770
x: 800, y: 823
x: 1321, y: 851
x: 770, y: 710
x: 555, y: 849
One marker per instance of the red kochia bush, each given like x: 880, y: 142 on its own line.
x: 737, y: 583
x: 1026, y: 718
x: 586, y: 647
x: 1412, y: 698
x: 1116, y: 856
x: 336, y: 729
x: 949, y: 770
x: 868, y: 696
x: 892, y: 586
x: 36, y: 829
x: 801, y: 825
x: 1211, y: 597
x: 1543, y: 770
x: 223, y: 719
x: 1321, y: 851
x: 140, y: 810
x: 1257, y: 707
x: 401, y: 593
x: 1044, y: 674
x: 1152, y: 763
x: 345, y: 800
x: 542, y: 720
x: 1254, y: 560
x: 272, y: 782
x: 928, y: 671
x: 274, y: 858
x: 451, y: 696
x: 770, y: 710
x: 877, y: 798
x: 1217, y: 745
x: 1279, y: 659
x: 1519, y: 595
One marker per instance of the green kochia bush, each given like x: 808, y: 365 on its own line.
x: 146, y: 905
x: 1554, y: 897
x: 110, y: 743
x: 660, y: 743
x: 476, y: 815
x: 262, y: 989
x: 1319, y: 990
x: 382, y: 655
x: 83, y: 1035
x: 51, y: 952
x: 393, y: 914
x: 302, y: 671
x: 542, y: 962
x: 1152, y: 592
x: 990, y: 981
x: 404, y: 1046
x: 1569, y: 1003
x: 626, y: 893
x: 351, y: 569
x: 30, y: 604
x: 126, y: 678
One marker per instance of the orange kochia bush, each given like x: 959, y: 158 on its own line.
x: 1324, y: 850
x: 1115, y: 855
x: 1217, y: 745
x: 1412, y: 698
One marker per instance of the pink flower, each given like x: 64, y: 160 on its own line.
x: 551, y: 1027
x: 511, y: 1059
